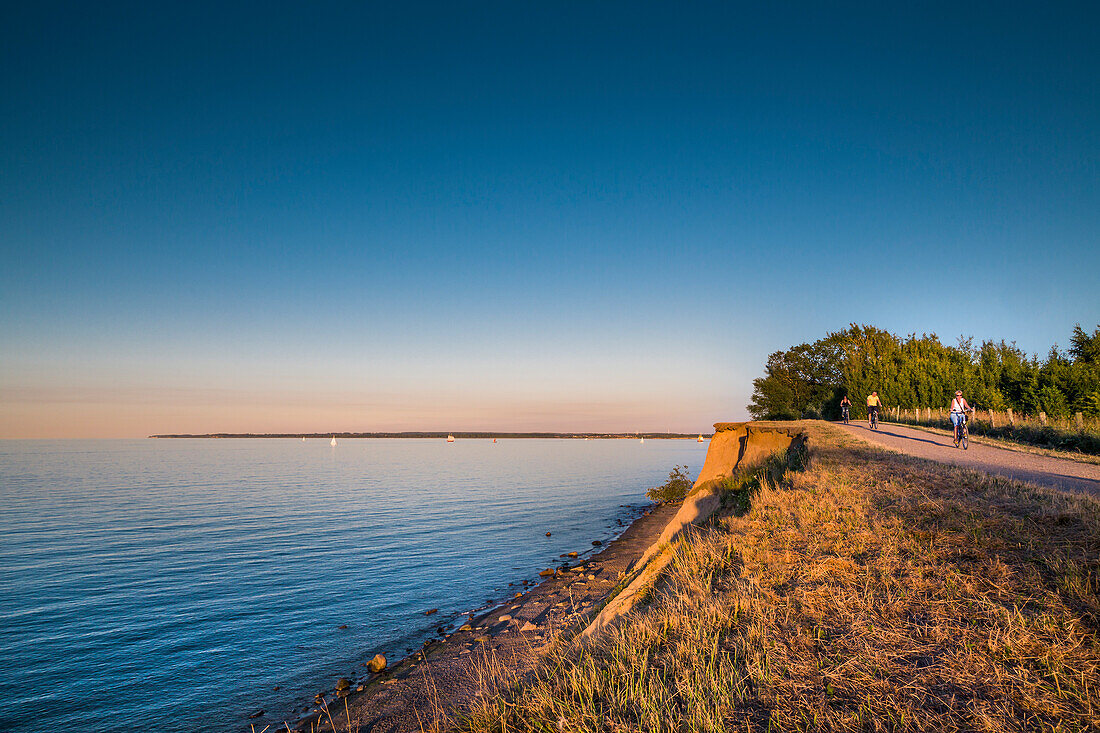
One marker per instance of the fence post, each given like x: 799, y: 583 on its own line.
x: 1079, y: 421
x: 992, y: 420
x: 1011, y: 417
x: 1043, y: 419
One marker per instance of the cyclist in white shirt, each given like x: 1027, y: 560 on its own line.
x: 958, y: 409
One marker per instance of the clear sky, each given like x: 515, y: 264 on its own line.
x: 548, y: 216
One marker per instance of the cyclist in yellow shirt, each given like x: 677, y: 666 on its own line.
x: 873, y: 403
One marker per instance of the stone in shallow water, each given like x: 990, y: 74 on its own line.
x: 377, y: 664
x: 343, y: 684
x: 546, y: 573
x: 596, y: 543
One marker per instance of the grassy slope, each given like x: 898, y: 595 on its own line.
x: 867, y: 592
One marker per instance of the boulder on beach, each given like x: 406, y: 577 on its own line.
x: 546, y: 573
x: 343, y: 684
x: 377, y: 664
x: 596, y: 543
x: 571, y: 554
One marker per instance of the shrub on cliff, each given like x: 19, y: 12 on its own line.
x: 675, y: 489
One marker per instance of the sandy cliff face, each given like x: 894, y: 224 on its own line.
x: 735, y: 445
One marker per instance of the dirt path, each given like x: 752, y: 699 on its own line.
x: 1044, y: 470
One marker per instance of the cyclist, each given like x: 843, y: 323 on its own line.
x: 845, y: 405
x: 873, y: 403
x: 959, y: 408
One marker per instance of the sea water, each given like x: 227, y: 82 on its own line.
x: 179, y: 585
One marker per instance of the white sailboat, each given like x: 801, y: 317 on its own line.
x: 450, y: 438
x: 641, y: 440
x: 303, y: 438
x: 333, y: 441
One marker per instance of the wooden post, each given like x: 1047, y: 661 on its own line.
x: 1011, y: 417
x: 1043, y: 419
x: 1079, y: 421
x: 992, y: 420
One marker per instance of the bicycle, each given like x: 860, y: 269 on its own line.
x: 844, y: 413
x: 962, y: 433
x: 873, y: 417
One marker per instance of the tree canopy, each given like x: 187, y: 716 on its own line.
x: 809, y: 380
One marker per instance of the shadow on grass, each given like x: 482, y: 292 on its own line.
x: 738, y: 491
x: 1049, y: 540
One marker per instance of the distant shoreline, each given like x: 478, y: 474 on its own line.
x: 444, y: 435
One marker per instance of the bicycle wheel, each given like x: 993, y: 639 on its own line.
x: 956, y: 436
x: 965, y: 438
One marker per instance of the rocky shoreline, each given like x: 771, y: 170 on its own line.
x: 509, y: 638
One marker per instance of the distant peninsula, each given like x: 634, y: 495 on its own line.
x: 444, y: 435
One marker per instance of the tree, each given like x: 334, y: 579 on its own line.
x: 1085, y: 348
x: 920, y: 371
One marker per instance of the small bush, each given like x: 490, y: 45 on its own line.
x: 675, y: 489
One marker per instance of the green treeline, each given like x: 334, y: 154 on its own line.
x: 809, y: 380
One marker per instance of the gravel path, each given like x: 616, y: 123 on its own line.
x: 1053, y: 472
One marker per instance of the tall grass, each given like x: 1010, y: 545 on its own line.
x: 868, y: 592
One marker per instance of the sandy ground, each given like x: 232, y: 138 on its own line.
x: 1043, y: 470
x: 450, y: 672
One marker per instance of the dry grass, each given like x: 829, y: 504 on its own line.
x: 867, y: 592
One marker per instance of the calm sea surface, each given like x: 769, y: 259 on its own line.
x: 173, y: 585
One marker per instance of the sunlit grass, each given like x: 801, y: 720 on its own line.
x: 866, y: 592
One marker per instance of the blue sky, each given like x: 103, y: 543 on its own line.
x: 520, y: 216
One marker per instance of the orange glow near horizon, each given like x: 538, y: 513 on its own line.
x: 137, y: 416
